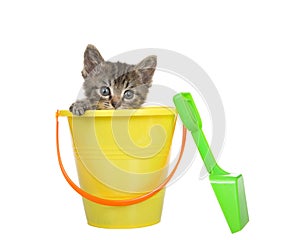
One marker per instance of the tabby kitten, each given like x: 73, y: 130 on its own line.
x: 113, y: 85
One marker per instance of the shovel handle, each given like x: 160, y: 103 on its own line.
x: 188, y: 112
x: 190, y: 117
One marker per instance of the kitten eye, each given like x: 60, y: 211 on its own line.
x: 104, y: 91
x: 128, y: 94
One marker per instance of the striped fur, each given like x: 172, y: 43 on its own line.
x: 118, y: 78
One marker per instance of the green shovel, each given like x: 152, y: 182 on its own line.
x: 229, y: 188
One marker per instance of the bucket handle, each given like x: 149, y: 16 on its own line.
x: 123, y: 202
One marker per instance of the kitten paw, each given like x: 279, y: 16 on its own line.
x: 79, y: 108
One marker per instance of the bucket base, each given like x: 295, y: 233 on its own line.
x: 142, y: 214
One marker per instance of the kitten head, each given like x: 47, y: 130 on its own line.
x: 115, y: 85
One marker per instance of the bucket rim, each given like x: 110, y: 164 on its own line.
x: 143, y: 111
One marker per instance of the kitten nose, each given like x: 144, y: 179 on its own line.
x: 115, y: 103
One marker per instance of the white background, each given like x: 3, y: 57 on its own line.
x: 251, y: 51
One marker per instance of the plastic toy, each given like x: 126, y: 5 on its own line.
x: 122, y: 177
x: 133, y: 197
x: 229, y: 188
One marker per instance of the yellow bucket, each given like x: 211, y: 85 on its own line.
x: 122, y: 161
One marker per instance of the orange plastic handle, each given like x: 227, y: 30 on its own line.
x: 123, y: 202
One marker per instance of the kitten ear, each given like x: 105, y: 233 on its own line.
x: 147, y: 67
x: 92, y: 58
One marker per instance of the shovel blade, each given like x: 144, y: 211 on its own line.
x: 230, y: 192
